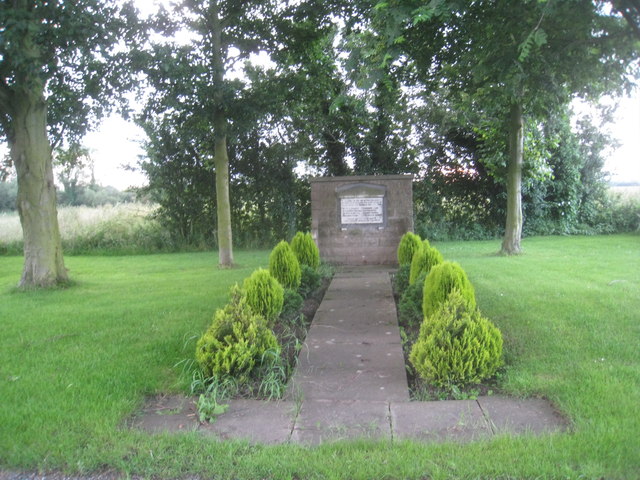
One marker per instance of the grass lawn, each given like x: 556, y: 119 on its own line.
x: 76, y: 363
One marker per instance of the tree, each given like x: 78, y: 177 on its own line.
x: 503, y: 62
x: 61, y: 65
x: 630, y: 10
x: 71, y: 165
x: 194, y: 83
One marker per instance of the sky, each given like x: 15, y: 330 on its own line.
x: 624, y: 163
x: 117, y: 144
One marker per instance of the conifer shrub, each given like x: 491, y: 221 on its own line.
x: 409, y: 244
x: 292, y: 304
x: 423, y: 261
x: 264, y: 294
x: 235, y: 343
x: 306, y: 250
x: 410, y: 304
x: 309, y: 280
x: 401, y: 280
x: 284, y: 266
x: 457, y: 345
x: 443, y: 279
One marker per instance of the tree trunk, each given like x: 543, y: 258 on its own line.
x: 36, y: 201
x: 513, y: 228
x: 223, y: 204
x: 221, y: 157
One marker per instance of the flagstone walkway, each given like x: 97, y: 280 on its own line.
x: 351, y: 383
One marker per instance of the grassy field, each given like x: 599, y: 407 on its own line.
x: 124, y: 228
x: 627, y: 192
x: 75, y: 364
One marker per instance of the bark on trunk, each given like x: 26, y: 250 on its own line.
x: 221, y: 158
x: 36, y: 201
x: 223, y: 204
x: 513, y: 228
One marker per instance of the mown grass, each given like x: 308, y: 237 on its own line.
x: 76, y: 363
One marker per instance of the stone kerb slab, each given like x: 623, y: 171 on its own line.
x: 359, y: 220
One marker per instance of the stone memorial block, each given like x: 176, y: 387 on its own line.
x: 359, y: 220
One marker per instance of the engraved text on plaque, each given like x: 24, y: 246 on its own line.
x: 361, y: 210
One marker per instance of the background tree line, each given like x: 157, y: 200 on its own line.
x: 473, y: 98
x: 395, y: 87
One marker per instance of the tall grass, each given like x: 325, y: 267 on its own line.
x: 76, y: 363
x: 119, y: 229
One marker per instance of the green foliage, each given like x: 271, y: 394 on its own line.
x: 423, y: 261
x: 8, y: 195
x: 292, y: 304
x: 457, y: 345
x: 122, y: 229
x: 264, y: 294
x: 441, y: 281
x: 310, y: 280
x: 410, y: 305
x: 236, y: 341
x: 401, y: 279
x: 306, y: 250
x: 273, y: 376
x: 142, y: 334
x: 209, y: 408
x: 284, y: 266
x: 409, y: 244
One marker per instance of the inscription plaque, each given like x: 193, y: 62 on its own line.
x: 361, y: 210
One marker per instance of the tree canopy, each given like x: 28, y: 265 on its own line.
x: 62, y: 64
x: 473, y: 98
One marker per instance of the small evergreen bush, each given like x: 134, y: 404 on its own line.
x: 235, y: 343
x: 440, y: 282
x: 309, y: 280
x: 306, y: 250
x: 423, y: 261
x: 410, y: 305
x: 457, y: 345
x: 409, y: 244
x: 401, y: 280
x: 264, y: 294
x: 284, y: 266
x: 292, y: 304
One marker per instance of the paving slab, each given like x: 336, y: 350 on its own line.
x: 167, y: 413
x: 257, y: 421
x: 460, y: 420
x: 513, y: 415
x: 379, y: 385
x: 332, y: 354
x: 343, y: 329
x: 353, y: 348
x: 323, y: 421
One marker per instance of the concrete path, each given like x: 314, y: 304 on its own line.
x: 351, y: 383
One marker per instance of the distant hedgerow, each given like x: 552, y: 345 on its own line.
x: 443, y: 279
x: 306, y: 250
x: 284, y: 266
x: 409, y: 244
x: 457, y: 345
